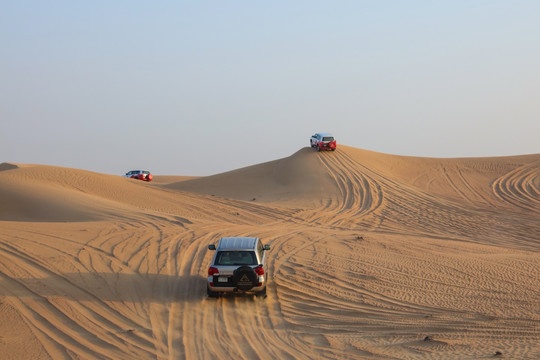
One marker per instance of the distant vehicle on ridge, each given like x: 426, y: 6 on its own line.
x: 323, y: 141
x: 143, y: 175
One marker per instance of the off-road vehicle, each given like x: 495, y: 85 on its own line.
x: 323, y: 141
x: 238, y: 266
x: 143, y: 175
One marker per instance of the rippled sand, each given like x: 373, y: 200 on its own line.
x: 373, y: 256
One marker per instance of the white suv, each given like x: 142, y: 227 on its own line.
x: 323, y: 141
x: 238, y: 266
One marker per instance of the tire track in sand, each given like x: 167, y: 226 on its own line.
x: 520, y: 187
x: 371, y: 200
x: 48, y: 300
x: 360, y: 195
x: 243, y: 327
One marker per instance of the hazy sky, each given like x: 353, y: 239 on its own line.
x: 203, y: 87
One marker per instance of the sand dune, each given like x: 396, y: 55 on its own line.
x: 298, y: 179
x: 371, y: 253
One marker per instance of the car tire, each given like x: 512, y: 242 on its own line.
x: 245, y: 278
x: 211, y: 293
x: 261, y: 293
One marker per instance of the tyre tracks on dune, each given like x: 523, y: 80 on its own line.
x: 135, y: 288
x: 126, y: 294
x: 373, y: 201
x: 352, y: 286
x: 243, y: 327
x: 359, y: 194
x: 299, y: 319
x: 520, y: 187
x: 62, y: 308
x: 462, y: 186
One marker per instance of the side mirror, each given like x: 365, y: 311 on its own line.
x: 266, y: 247
x: 211, y: 247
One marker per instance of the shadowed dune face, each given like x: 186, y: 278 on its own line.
x: 44, y: 203
x: 298, y: 179
x: 8, y: 166
x: 53, y: 194
x: 370, y: 254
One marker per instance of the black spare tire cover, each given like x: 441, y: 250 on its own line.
x: 245, y: 278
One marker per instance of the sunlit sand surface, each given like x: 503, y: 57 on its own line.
x: 373, y: 256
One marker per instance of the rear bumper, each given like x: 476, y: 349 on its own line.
x: 228, y: 288
x: 328, y: 146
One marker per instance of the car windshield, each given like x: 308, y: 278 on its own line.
x: 328, y: 138
x: 235, y: 258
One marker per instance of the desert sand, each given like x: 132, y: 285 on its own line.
x: 373, y: 256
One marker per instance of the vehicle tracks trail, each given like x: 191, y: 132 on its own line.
x: 372, y: 201
x: 85, y: 318
x: 439, y: 261
x: 360, y: 195
x: 375, y: 201
x: 242, y: 326
x: 462, y: 186
x: 364, y: 286
x: 520, y: 187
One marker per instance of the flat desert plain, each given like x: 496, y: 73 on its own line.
x: 373, y: 256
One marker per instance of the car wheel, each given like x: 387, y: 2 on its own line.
x: 211, y: 293
x: 245, y: 278
x: 261, y: 293
x: 318, y: 148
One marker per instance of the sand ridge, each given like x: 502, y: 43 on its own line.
x: 371, y: 253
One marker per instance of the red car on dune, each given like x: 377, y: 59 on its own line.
x: 143, y: 175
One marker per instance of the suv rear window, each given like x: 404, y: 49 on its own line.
x: 236, y: 258
x: 328, y: 138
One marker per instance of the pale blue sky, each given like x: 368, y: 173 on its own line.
x: 203, y: 87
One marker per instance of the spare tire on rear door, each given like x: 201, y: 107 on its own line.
x: 245, y: 278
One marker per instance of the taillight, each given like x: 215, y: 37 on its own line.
x: 259, y: 270
x: 213, y: 271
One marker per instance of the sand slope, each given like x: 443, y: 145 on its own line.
x: 370, y: 254
x: 296, y: 180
